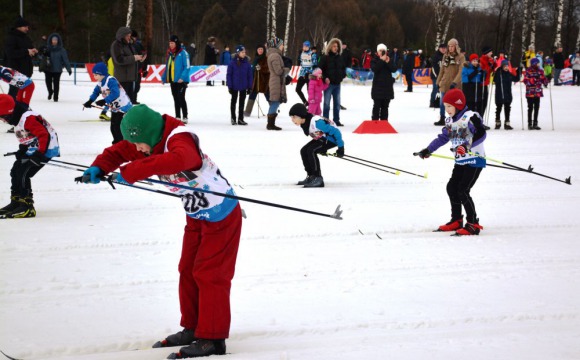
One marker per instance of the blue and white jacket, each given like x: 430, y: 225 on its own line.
x: 177, y: 67
x: 322, y: 129
x: 307, y: 61
x: 114, y: 95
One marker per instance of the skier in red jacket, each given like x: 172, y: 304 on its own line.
x: 160, y: 145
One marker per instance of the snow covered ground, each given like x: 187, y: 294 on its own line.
x: 94, y: 275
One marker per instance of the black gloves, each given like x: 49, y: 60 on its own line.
x: 340, y: 152
x: 424, y: 154
x: 288, y: 79
x: 101, y: 102
x: 88, y: 104
x: 249, y: 91
x: 230, y: 91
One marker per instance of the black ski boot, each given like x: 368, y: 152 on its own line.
x: 234, y: 122
x: 441, y: 121
x: 306, y: 180
x: 317, y: 181
x: 180, y: 338
x: 23, y: 208
x: 497, y: 124
x: 242, y: 122
x: 200, y: 348
x: 14, y: 203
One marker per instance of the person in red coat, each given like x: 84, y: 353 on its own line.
x: 487, y: 64
x: 161, y: 145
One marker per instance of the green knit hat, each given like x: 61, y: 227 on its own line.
x: 142, y: 125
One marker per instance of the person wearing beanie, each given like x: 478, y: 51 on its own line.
x: 307, y: 61
x: 114, y: 98
x: 435, y: 69
x: 211, y: 54
x: 125, y: 58
x: 408, y: 66
x: 176, y: 74
x: 503, y: 79
x: 325, y: 135
x: 142, y: 66
x: 261, y: 78
x: 464, y: 128
x: 472, y: 78
x: 449, y: 74
x: 316, y: 88
x: 161, y: 145
x: 333, y: 72
x: 276, y: 83
x: 38, y: 144
x: 58, y: 60
x: 534, y: 80
x: 239, y: 81
x: 382, y: 91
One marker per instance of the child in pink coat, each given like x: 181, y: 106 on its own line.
x: 315, y: 89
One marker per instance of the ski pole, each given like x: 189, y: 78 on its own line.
x: 388, y: 167
x: 86, y: 167
x: 492, y: 165
x: 551, y: 107
x: 530, y: 169
x: 336, y: 215
x: 522, y: 102
x: 356, y: 162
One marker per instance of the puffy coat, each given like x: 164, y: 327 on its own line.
x: 276, y: 83
x: 210, y: 57
x: 383, y: 78
x: 239, y: 76
x: 503, y: 86
x: 58, y: 55
x: 473, y: 79
x: 262, y: 76
x: 535, y: 80
x: 178, y: 64
x: 16, y: 47
x: 123, y: 55
x: 331, y: 64
x: 451, y: 66
x: 316, y: 88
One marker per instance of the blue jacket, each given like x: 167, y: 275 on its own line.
x: 180, y: 65
x: 58, y: 55
x: 240, y: 75
x: 226, y: 58
x: 472, y: 82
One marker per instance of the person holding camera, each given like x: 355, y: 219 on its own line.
x: 382, y: 91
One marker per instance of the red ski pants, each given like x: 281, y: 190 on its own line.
x: 206, y: 268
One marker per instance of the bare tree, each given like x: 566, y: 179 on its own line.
x: 525, y: 6
x: 149, y: 26
x: 511, y: 42
x: 558, y: 39
x: 169, y: 12
x: 323, y: 30
x: 288, y: 17
x: 441, y: 8
x: 61, y: 17
x: 272, y: 16
x: 129, y: 13
x: 533, y: 16
x: 451, y: 11
x: 268, y: 15
x: 472, y: 34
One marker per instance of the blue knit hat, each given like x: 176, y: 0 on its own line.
x: 275, y: 42
x: 505, y: 63
x: 534, y: 61
x: 240, y: 48
x: 306, y: 43
x: 100, y: 69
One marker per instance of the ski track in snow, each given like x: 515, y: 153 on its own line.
x: 94, y: 276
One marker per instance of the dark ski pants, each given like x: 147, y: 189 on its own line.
x: 309, y: 157
x: 533, y: 108
x: 381, y: 109
x: 20, y: 174
x: 476, y: 106
x: 507, y: 110
x: 302, y: 80
x: 485, y: 99
x: 409, y: 79
x: 459, y: 186
x: 242, y: 95
x: 178, y: 92
x: 206, y: 270
x: 52, y: 80
x: 116, y: 118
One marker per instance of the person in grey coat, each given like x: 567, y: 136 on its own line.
x: 57, y: 60
x: 125, y: 59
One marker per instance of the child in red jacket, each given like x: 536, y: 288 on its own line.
x: 160, y: 145
x: 38, y: 144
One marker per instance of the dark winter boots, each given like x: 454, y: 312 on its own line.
x: 19, y: 207
x: 272, y: 122
x: 306, y: 180
x: 249, y: 107
x: 441, y: 121
x: 199, y: 348
x: 315, y: 181
x: 241, y: 121
x: 452, y: 225
x: 180, y: 338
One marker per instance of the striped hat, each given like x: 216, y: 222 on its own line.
x: 275, y: 42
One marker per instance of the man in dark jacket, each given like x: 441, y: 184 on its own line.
x: 346, y: 55
x: 19, y: 51
x: 211, y: 54
x: 333, y: 71
x: 408, y: 66
x: 558, y: 65
x: 125, y: 59
x: 435, y: 67
x: 142, y: 65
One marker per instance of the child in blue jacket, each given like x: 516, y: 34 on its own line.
x: 472, y: 78
x: 325, y: 135
x: 177, y: 75
x: 114, y: 97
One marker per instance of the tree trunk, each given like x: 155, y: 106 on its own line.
x: 288, y: 16
x: 129, y: 13
x: 439, y: 7
x: 498, y: 29
x: 524, y: 29
x: 61, y: 18
x: 274, y: 18
x: 149, y: 26
x: 449, y: 18
x: 558, y: 39
x: 511, y: 43
x: 534, y: 12
x: 268, y: 17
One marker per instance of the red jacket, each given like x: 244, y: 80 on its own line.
x: 182, y: 154
x: 487, y: 64
x: 37, y: 129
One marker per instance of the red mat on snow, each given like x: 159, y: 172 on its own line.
x: 375, y: 127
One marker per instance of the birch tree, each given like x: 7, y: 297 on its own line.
x: 288, y: 17
x: 268, y: 15
x: 524, y: 27
x: 271, y: 19
x: 440, y: 8
x: 533, y: 16
x: 148, y: 26
x: 558, y: 39
x: 449, y: 18
x: 129, y: 14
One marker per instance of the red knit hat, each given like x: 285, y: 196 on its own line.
x: 6, y: 105
x: 456, y: 98
x: 473, y: 57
